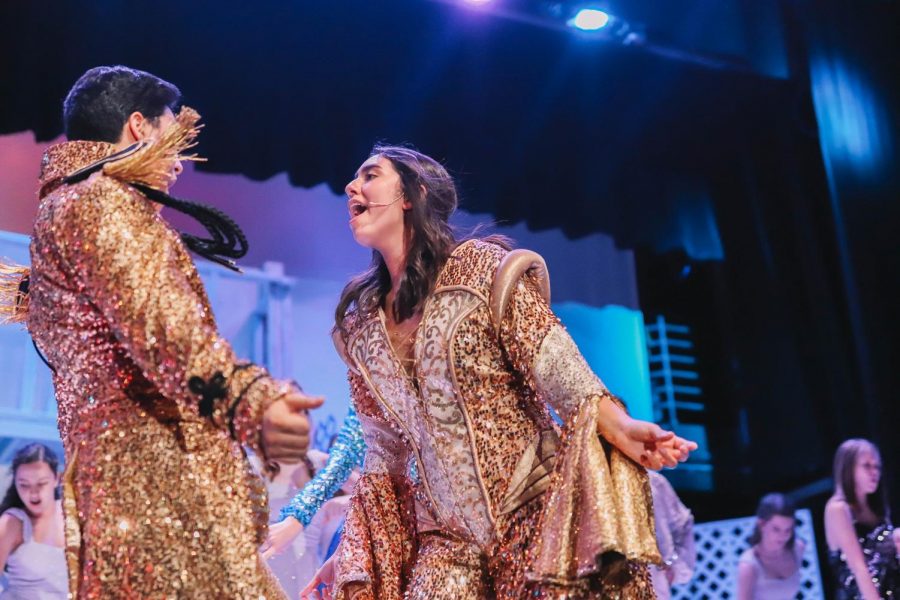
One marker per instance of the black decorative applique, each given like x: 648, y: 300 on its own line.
x: 209, y: 391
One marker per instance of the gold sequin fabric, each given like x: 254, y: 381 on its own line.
x: 449, y: 568
x: 378, y: 541
x: 476, y: 423
x: 160, y: 501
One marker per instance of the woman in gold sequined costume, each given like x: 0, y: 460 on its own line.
x: 153, y: 404
x: 469, y: 490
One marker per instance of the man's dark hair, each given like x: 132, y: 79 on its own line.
x: 102, y: 99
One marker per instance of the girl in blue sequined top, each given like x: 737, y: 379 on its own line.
x: 346, y: 454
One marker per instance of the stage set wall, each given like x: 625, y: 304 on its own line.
x: 594, y: 283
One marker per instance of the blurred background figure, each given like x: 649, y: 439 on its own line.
x: 675, y: 536
x: 324, y: 531
x: 770, y: 568
x: 863, y: 545
x: 296, y: 565
x: 31, y: 528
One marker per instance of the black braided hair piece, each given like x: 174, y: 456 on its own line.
x: 227, y: 239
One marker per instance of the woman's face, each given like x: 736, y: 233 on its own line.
x: 375, y: 202
x: 867, y: 472
x: 776, y: 531
x: 36, y: 483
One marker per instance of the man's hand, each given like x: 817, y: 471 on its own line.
x: 285, y: 427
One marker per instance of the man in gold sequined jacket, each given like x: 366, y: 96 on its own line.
x: 153, y: 404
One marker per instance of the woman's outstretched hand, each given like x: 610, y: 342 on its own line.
x: 280, y: 537
x: 650, y: 445
x: 324, y: 577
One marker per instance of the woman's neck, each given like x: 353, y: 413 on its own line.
x: 45, y: 517
x: 394, y: 256
x: 864, y: 513
x: 395, y: 267
x: 770, y: 552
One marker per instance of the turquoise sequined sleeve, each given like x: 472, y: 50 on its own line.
x: 346, y: 453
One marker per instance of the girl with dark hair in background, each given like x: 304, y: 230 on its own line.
x: 770, y: 568
x: 468, y: 491
x: 862, y: 543
x: 31, y: 528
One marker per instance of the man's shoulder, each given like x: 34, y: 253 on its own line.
x: 97, y: 188
x: 89, y: 202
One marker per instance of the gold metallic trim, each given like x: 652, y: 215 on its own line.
x: 512, y: 267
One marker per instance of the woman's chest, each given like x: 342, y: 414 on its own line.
x: 781, y: 567
x: 424, y: 372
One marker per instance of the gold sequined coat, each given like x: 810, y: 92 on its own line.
x: 490, y: 357
x: 159, y: 501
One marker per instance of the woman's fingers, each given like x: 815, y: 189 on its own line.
x: 650, y: 460
x: 670, y: 456
x: 310, y: 589
x: 267, y: 550
x: 684, y: 448
x: 662, y: 435
x: 664, y: 454
x: 651, y: 433
x: 658, y: 448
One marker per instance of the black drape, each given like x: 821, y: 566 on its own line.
x: 541, y: 125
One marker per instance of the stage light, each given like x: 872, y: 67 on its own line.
x: 477, y: 2
x: 589, y: 19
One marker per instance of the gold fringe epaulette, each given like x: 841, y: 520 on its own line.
x: 13, y: 292
x: 153, y: 164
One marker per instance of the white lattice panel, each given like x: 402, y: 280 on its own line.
x: 719, y: 545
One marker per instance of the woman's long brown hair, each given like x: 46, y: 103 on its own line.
x: 845, y: 481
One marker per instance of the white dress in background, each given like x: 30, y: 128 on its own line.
x: 297, y: 564
x: 769, y: 587
x: 34, y: 571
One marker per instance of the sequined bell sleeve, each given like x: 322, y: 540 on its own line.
x: 347, y: 452
x: 597, y: 502
x: 375, y: 555
x: 138, y: 273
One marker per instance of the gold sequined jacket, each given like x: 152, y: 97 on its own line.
x: 490, y: 357
x: 159, y: 501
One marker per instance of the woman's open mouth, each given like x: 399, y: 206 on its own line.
x: 356, y: 208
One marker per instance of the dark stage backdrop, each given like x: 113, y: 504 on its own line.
x: 544, y: 125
